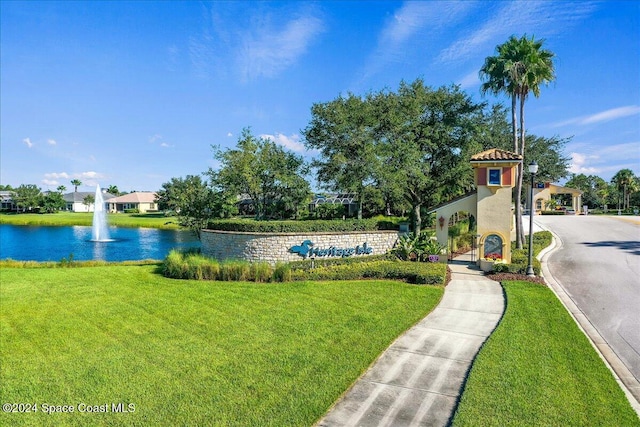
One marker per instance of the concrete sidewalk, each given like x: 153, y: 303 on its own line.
x: 418, y: 380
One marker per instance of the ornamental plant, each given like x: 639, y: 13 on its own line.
x: 417, y: 248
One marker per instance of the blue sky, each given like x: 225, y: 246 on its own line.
x: 135, y: 93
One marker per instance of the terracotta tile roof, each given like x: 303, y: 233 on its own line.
x: 495, y: 154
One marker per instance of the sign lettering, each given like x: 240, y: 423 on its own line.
x: 306, y: 250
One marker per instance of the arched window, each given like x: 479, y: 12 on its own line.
x: 493, y: 247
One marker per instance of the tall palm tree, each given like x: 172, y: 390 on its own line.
x: 520, y: 67
x: 76, y: 183
x: 61, y: 189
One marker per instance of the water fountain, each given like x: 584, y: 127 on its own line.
x: 100, y: 230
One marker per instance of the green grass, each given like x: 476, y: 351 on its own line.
x: 191, y: 352
x: 149, y: 220
x: 538, y: 369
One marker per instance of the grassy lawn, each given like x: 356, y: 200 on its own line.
x: 150, y: 220
x: 538, y: 369
x: 190, y: 352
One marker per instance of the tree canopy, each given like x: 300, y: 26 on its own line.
x: 27, y: 196
x: 412, y: 145
x: 193, y: 201
x: 273, y: 178
x: 343, y: 131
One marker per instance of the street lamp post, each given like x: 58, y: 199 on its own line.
x: 533, y: 169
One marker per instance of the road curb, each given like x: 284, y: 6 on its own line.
x: 627, y: 382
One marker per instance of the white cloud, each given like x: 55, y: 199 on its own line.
x: 27, y: 142
x: 155, y: 138
x: 470, y: 80
x: 56, y: 175
x: 612, y: 114
x: 229, y: 134
x: 414, y: 21
x: 267, y: 51
x: 291, y: 142
x: 88, y: 178
x: 516, y: 17
x: 51, y: 141
x: 253, y: 41
x: 581, y: 163
x: 603, y: 116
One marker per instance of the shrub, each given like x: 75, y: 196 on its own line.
x: 329, y: 211
x: 282, y: 272
x: 417, y: 248
x: 235, y: 270
x: 417, y: 273
x: 307, y: 264
x: 520, y: 257
x: 190, y: 265
x: 260, y: 272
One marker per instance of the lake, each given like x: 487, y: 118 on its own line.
x: 48, y: 243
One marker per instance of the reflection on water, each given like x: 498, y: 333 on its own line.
x: 27, y: 243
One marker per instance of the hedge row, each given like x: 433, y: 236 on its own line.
x: 310, y: 226
x: 306, y: 265
x: 413, y: 272
x: 191, y: 265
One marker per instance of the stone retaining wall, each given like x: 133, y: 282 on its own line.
x: 274, y: 247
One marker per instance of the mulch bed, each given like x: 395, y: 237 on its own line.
x: 500, y: 277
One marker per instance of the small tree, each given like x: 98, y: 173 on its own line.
x: 52, y: 202
x: 193, y: 201
x: 89, y: 200
x: 27, y: 197
x: 272, y: 177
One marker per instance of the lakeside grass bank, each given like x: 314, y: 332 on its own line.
x: 191, y: 352
x: 148, y: 220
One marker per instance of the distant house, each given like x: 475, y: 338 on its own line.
x: 143, y: 201
x: 6, y: 200
x: 75, y: 201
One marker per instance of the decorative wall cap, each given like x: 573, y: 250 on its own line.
x: 496, y: 154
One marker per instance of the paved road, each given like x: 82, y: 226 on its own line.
x: 598, y: 265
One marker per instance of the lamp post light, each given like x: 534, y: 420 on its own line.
x: 533, y: 169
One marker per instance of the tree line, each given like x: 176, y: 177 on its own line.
x: 398, y: 152
x: 622, y: 192
x: 30, y: 197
